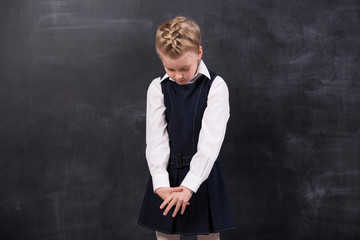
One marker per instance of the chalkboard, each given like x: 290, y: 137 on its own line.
x: 73, y: 81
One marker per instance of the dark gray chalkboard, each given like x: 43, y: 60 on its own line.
x: 73, y: 80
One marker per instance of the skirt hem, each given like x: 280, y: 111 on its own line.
x: 187, y: 233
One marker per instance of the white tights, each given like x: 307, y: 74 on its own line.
x: 164, y: 236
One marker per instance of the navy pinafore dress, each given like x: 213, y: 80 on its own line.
x: 209, y: 209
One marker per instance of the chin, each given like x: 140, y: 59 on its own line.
x: 181, y: 82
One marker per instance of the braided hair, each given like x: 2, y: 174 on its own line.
x: 177, y: 36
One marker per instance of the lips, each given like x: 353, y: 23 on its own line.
x: 181, y: 81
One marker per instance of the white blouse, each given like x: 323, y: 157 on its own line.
x: 211, y: 135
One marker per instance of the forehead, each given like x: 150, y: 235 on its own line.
x: 184, y: 60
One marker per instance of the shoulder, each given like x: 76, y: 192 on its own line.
x: 155, y: 87
x: 219, y: 79
x: 218, y: 87
x: 219, y: 82
x: 155, y: 83
x: 214, y: 77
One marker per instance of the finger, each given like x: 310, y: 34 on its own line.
x: 183, y: 207
x: 165, y: 202
x: 176, y: 189
x: 176, y: 209
x: 170, y: 205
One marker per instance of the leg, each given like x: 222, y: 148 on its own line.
x: 164, y: 236
x: 211, y: 236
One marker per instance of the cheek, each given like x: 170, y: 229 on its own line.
x: 171, y: 74
x: 191, y: 72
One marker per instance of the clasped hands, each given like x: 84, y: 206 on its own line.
x: 174, y: 196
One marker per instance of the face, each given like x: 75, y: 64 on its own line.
x: 182, y: 69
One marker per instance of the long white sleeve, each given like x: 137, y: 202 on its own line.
x: 211, y: 136
x: 157, y: 138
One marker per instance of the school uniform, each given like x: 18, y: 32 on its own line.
x: 185, y: 128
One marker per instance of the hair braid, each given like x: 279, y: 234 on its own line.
x: 177, y: 36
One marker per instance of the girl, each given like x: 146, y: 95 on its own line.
x: 186, y: 116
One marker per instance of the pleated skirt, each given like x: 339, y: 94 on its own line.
x: 209, y: 210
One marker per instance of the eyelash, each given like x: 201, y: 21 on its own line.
x: 182, y: 70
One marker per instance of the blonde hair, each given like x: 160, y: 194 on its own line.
x: 177, y: 36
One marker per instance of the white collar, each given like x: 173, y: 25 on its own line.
x: 203, y: 70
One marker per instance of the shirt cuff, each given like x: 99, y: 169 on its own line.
x: 192, y: 182
x: 160, y: 180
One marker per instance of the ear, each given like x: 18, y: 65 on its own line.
x: 200, y: 52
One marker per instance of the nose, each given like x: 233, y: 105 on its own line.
x: 178, y: 76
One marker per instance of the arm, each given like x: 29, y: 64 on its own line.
x: 157, y: 141
x: 157, y: 138
x: 211, y: 135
